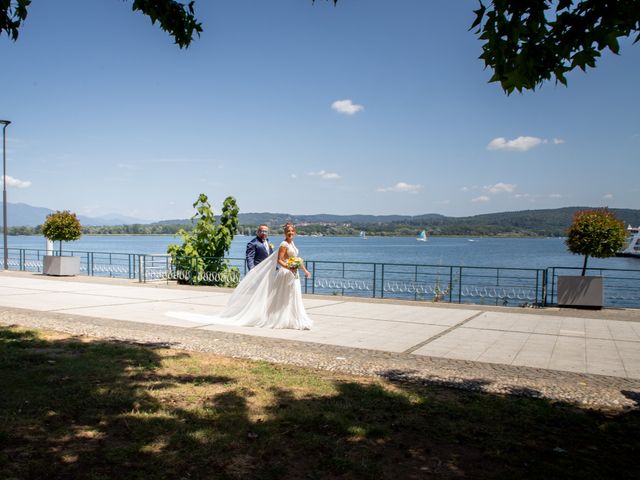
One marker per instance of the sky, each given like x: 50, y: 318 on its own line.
x: 368, y: 107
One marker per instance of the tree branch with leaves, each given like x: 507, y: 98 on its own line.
x: 175, y: 18
x: 528, y: 42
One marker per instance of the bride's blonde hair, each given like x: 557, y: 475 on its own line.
x: 289, y: 225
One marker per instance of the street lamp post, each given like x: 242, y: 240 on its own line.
x: 5, y: 124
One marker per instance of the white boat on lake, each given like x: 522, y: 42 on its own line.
x: 632, y: 246
x: 423, y: 237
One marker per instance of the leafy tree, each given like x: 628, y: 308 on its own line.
x: 175, y: 18
x: 62, y: 226
x: 204, y: 248
x: 528, y: 42
x: 595, y: 233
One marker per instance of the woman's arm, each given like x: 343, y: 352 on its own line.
x: 282, y: 257
x: 306, y: 272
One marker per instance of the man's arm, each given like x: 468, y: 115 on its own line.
x: 251, y: 255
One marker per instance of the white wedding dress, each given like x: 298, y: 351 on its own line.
x: 268, y: 296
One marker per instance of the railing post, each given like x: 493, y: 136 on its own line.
x: 382, y: 283
x: 306, y: 281
x: 342, y: 291
x: 450, y: 284
x: 374, y: 280
x: 313, y: 277
x: 460, y: 285
x: 88, y: 264
x: 415, y: 281
x: 140, y: 268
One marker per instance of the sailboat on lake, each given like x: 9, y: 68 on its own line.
x: 423, y: 237
x: 363, y: 235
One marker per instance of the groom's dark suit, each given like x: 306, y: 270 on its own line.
x: 256, y: 252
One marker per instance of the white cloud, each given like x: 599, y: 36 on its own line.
x: 480, y: 199
x: 520, y: 144
x: 325, y: 175
x: 608, y: 196
x: 555, y: 195
x: 522, y: 195
x: 501, y: 187
x: 347, y: 107
x: 401, y: 187
x: 444, y: 202
x: 14, y: 182
x: 293, y: 176
x: 558, y: 141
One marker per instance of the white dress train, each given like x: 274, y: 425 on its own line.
x: 268, y: 296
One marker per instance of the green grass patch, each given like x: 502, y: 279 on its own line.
x: 81, y: 408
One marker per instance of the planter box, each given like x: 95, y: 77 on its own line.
x: 585, y: 292
x: 61, y: 266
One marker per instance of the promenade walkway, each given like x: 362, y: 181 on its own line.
x: 545, y: 352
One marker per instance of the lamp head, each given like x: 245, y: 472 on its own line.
x: 5, y: 122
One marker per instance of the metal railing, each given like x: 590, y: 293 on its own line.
x: 435, y: 283
x: 621, y: 286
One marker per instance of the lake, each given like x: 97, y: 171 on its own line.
x: 458, y: 251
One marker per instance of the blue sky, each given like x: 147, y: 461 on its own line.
x: 373, y: 106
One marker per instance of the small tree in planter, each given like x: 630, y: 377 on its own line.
x: 62, y: 227
x: 593, y: 233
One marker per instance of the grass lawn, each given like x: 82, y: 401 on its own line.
x: 84, y: 408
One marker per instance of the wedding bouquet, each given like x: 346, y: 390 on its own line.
x: 294, y: 262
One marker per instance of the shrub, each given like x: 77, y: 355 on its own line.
x: 595, y: 233
x: 203, y: 251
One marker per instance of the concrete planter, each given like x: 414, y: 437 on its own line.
x: 584, y: 292
x: 61, y: 266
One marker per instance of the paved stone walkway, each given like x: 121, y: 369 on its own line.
x: 587, y: 357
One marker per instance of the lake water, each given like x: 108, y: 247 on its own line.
x: 458, y: 251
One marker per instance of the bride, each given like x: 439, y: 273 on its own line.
x: 269, y: 296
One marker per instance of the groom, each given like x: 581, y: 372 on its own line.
x: 259, y: 248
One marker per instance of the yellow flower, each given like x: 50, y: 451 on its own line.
x: 294, y: 262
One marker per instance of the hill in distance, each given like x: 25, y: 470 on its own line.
x: 548, y: 222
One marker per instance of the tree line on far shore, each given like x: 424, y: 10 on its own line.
x: 530, y: 223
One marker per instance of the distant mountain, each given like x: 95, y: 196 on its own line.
x: 23, y: 215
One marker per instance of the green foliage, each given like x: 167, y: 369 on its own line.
x: 176, y: 19
x: 204, y: 248
x: 62, y: 226
x: 528, y: 42
x: 12, y: 14
x: 595, y: 233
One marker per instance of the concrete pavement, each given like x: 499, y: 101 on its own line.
x: 589, y: 342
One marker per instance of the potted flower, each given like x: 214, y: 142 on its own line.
x: 593, y: 233
x: 61, y: 227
